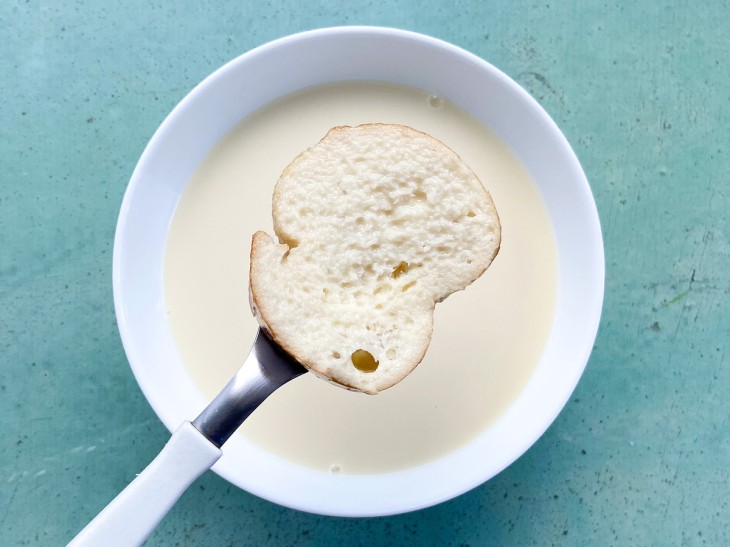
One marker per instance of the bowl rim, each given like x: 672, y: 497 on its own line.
x: 411, y: 500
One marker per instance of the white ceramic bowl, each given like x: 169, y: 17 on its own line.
x: 358, y: 53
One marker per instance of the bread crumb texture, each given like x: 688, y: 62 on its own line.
x: 375, y: 225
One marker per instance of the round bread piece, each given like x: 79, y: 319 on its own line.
x: 376, y: 224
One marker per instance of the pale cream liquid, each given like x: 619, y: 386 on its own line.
x: 487, y: 339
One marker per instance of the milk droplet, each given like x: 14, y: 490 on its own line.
x: 435, y: 101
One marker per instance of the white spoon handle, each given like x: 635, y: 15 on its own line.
x: 134, y: 513
x: 192, y: 450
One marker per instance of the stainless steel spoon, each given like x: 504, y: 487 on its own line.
x: 192, y: 450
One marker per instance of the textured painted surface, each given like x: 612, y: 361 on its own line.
x: 640, y: 456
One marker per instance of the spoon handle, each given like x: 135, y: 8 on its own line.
x: 136, y: 511
x: 265, y: 370
x: 193, y: 449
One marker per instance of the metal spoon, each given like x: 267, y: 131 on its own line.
x: 192, y: 450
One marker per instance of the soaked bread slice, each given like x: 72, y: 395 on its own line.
x: 375, y: 224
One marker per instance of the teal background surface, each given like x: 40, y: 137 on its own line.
x: 639, y: 456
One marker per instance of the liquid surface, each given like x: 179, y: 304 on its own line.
x: 487, y: 339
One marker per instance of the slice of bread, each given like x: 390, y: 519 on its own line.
x: 376, y: 224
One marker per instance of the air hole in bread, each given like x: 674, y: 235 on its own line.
x: 364, y: 361
x: 359, y: 221
x: 304, y: 211
x: 336, y: 354
x: 471, y: 214
x: 400, y: 269
x: 380, y: 289
x: 408, y: 285
x: 288, y: 241
x: 374, y: 246
x: 390, y: 354
x: 420, y: 195
x: 443, y: 248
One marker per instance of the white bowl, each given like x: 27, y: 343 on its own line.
x: 303, y: 60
